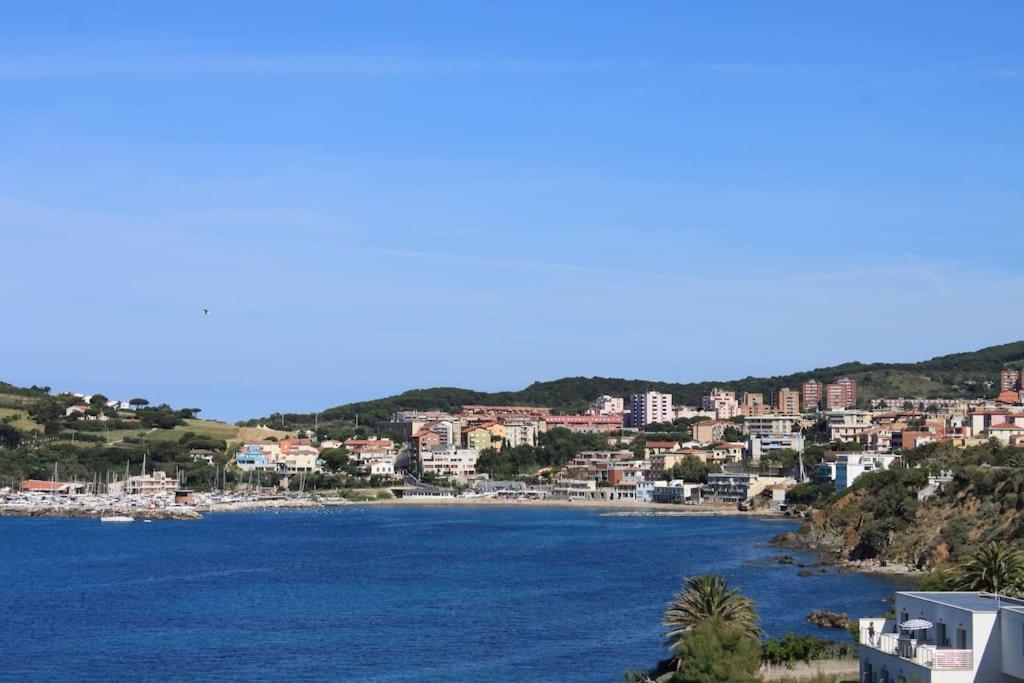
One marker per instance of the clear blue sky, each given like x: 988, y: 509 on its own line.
x: 379, y: 196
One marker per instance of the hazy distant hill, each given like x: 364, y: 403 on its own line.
x: 955, y: 375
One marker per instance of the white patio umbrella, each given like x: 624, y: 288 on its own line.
x: 916, y: 625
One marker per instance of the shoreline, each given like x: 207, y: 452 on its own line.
x: 610, y: 508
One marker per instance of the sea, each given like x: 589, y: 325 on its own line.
x: 384, y: 593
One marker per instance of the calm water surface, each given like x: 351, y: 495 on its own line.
x: 380, y: 593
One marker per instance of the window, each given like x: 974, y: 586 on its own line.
x: 942, y: 640
x: 961, y: 639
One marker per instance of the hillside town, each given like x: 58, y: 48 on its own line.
x: 734, y: 449
x: 740, y: 435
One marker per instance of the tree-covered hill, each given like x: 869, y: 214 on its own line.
x: 970, y: 374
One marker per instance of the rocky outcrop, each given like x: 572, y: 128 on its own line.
x: 827, y: 619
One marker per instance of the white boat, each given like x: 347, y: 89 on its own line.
x: 117, y: 518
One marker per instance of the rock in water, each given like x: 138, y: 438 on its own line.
x: 827, y: 619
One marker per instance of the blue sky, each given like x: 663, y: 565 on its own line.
x: 379, y: 196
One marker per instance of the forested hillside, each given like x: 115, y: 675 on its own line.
x: 970, y: 374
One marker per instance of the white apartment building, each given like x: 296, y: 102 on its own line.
x: 722, y: 402
x: 607, y: 405
x: 449, y: 462
x: 849, y: 466
x: 952, y: 638
x: 651, y: 406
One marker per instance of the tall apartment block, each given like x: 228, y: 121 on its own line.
x: 723, y: 402
x: 813, y: 393
x: 651, y: 406
x: 787, y: 401
x: 752, y: 404
x: 1009, y: 379
x: 841, y: 394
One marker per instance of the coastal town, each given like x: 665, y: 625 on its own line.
x: 733, y: 452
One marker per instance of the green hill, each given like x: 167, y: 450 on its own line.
x: 970, y: 374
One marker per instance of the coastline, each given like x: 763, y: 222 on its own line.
x: 610, y: 508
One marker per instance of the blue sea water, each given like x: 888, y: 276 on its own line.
x: 381, y: 593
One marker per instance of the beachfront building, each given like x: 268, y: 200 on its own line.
x: 52, y: 488
x: 947, y: 637
x: 299, y: 459
x: 257, y: 456
x: 676, y: 491
x: 728, y: 487
x: 459, y: 463
x: 155, y: 484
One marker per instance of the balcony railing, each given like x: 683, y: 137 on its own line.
x: 925, y: 654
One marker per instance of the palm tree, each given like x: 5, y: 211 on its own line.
x: 705, y: 598
x: 993, y: 567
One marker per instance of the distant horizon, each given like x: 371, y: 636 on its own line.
x: 369, y: 198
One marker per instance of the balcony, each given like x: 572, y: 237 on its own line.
x: 922, y: 653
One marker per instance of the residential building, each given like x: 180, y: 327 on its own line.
x: 409, y: 422
x: 787, y: 401
x: 258, y: 456
x: 449, y: 462
x: 607, y: 405
x: 690, y: 412
x: 1007, y: 432
x: 813, y: 392
x: 425, y: 440
x: 723, y: 402
x: 761, y: 445
x: 752, y: 404
x: 496, y: 412
x: 963, y: 637
x: 770, y: 424
x: 676, y: 491
x: 841, y: 394
x: 649, y: 407
x: 479, y: 437
x: 299, y: 458
x: 584, y: 423
x: 372, y: 446
x: 521, y: 431
x: 849, y: 466
x: 710, y: 431
x: 154, y: 484
x: 201, y: 455
x: 727, y: 451
x: 1009, y: 379
x: 847, y: 425
x: 732, y: 488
